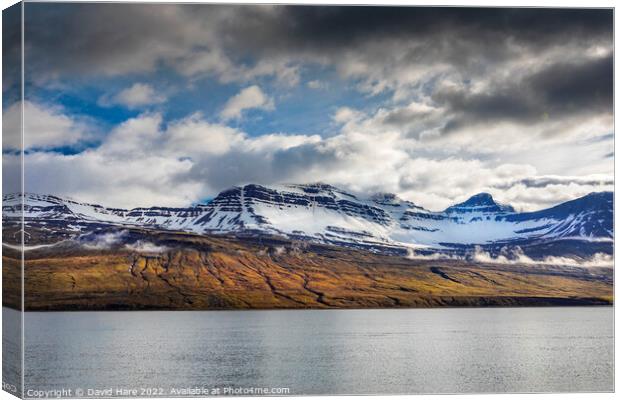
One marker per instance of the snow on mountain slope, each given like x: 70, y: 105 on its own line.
x: 47, y: 207
x: 316, y: 211
x: 589, y: 217
x: 51, y: 207
x: 327, y: 214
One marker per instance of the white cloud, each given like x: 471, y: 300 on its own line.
x: 193, y: 136
x: 144, y: 162
x: 134, y: 137
x: 45, y: 127
x: 517, y: 256
x: 95, y: 177
x: 248, y: 98
x: 146, y: 247
x: 408, y: 156
x: 136, y: 96
x: 526, y: 197
x: 104, y: 240
x: 345, y: 115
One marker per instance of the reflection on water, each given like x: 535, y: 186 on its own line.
x: 322, y: 352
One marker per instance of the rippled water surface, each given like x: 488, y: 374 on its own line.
x: 320, y: 352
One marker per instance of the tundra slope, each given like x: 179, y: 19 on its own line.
x: 186, y: 271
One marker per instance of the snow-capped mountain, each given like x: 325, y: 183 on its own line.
x: 326, y: 214
x: 47, y: 207
x: 481, y: 203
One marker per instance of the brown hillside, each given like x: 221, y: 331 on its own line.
x: 201, y: 273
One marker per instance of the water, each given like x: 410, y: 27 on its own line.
x: 325, y: 352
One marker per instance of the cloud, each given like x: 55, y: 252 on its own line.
x: 345, y: 115
x: 421, y: 125
x: 316, y: 84
x: 517, y: 256
x: 546, y: 181
x: 186, y: 39
x: 572, y: 87
x: 45, y: 127
x: 136, y: 96
x: 413, y: 255
x: 95, y: 177
x: 11, y: 54
x: 142, y: 158
x: 102, y: 241
x: 472, y: 100
x: 146, y: 247
x: 384, y: 48
x: 553, y: 92
x: 524, y: 195
x: 251, y: 97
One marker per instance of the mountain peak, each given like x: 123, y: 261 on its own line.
x: 314, y: 186
x: 317, y: 188
x: 481, y: 202
x: 483, y: 196
x: 391, y: 200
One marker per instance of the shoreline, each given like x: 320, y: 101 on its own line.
x: 562, y: 303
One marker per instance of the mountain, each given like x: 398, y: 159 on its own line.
x: 325, y: 214
x: 481, y: 202
x: 589, y: 217
x: 47, y: 207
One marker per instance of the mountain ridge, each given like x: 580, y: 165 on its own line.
x: 326, y: 214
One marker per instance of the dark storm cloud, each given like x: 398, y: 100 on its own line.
x: 562, y: 89
x: 379, y: 47
x: 11, y: 54
x: 575, y: 87
x: 95, y: 38
x: 486, y: 29
x: 512, y: 103
x: 70, y: 37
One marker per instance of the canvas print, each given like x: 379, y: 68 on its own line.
x: 210, y: 200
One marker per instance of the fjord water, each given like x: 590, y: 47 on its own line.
x: 323, y: 352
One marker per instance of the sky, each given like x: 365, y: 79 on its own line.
x: 131, y: 105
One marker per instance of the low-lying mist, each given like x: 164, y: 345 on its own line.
x: 515, y: 255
